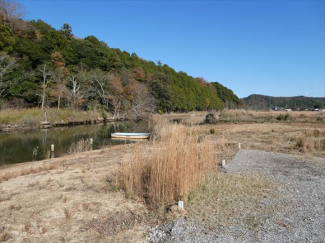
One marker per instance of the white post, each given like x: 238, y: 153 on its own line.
x: 91, y: 141
x: 223, y: 163
x: 181, y: 204
x: 239, y: 145
x: 52, y: 148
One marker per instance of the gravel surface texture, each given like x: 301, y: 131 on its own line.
x: 300, y: 204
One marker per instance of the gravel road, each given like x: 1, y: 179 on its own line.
x: 300, y: 202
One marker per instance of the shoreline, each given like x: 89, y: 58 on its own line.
x: 47, y: 125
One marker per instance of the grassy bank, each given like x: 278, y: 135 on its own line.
x: 33, y: 117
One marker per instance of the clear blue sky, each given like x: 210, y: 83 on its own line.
x: 252, y: 47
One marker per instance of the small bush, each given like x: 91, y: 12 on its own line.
x: 283, y: 117
x: 177, y: 120
x: 212, y: 131
x: 210, y: 119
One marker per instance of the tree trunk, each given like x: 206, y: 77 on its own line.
x: 43, y: 98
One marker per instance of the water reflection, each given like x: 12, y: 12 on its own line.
x: 19, y: 146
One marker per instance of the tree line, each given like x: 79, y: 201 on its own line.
x: 44, y: 67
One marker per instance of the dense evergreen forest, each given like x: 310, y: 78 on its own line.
x: 44, y: 67
x: 263, y: 102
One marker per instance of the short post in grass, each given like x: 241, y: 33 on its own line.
x: 239, y: 145
x: 91, y: 141
x: 52, y: 151
x: 223, y: 163
x: 181, y: 204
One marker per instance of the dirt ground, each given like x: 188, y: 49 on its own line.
x: 72, y: 203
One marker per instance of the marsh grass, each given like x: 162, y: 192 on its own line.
x: 312, y: 140
x: 33, y: 116
x: 270, y: 116
x: 81, y: 146
x: 178, y: 162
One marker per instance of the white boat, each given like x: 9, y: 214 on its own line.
x: 130, y: 135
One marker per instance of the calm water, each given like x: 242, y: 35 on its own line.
x: 18, y: 146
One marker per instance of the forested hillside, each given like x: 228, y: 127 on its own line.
x: 229, y: 99
x: 262, y: 102
x: 44, y: 67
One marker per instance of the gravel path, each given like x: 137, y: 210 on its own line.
x: 301, y: 203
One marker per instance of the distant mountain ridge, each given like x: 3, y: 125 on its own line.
x: 263, y: 102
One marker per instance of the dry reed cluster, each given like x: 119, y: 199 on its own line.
x: 313, y: 140
x: 80, y: 146
x: 176, y: 162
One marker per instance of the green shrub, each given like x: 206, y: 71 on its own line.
x: 282, y: 117
x: 210, y: 119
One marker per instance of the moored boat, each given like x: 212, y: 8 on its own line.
x: 130, y: 135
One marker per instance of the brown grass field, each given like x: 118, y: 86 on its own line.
x: 115, y: 194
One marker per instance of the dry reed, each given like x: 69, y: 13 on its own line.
x: 178, y: 162
x: 67, y: 214
x: 271, y: 116
x: 313, y: 140
x: 80, y: 146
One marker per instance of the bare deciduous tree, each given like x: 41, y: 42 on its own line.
x: 100, y: 82
x: 116, y: 95
x: 7, y: 63
x: 46, y: 72
x: 60, y: 89
x: 142, y: 100
x: 77, y: 92
x: 11, y: 13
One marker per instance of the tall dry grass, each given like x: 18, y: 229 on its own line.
x: 313, y: 140
x: 176, y: 162
x: 271, y: 116
x: 82, y: 145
